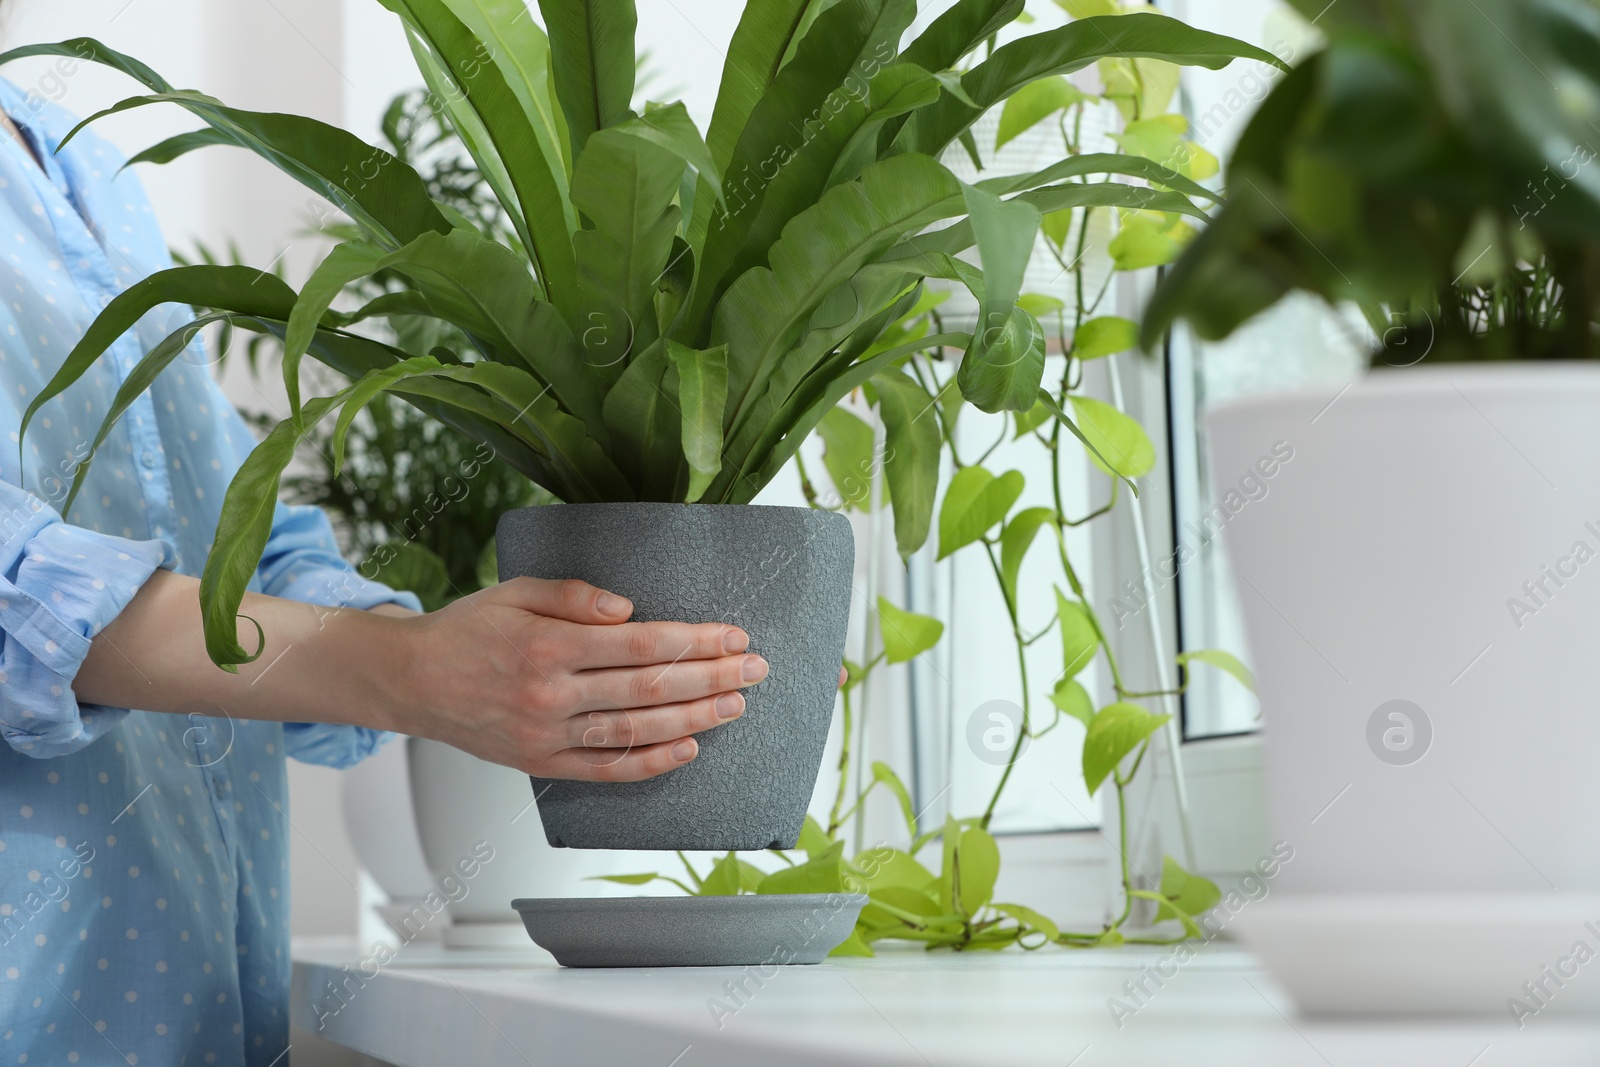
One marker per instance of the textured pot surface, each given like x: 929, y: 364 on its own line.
x: 1421, y: 585
x: 781, y: 574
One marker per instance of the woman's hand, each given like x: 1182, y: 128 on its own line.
x: 551, y: 678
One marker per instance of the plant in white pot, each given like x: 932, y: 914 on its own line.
x: 672, y: 317
x: 1417, y: 588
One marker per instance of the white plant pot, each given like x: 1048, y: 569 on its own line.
x: 1388, y: 562
x: 373, y: 792
x: 464, y: 808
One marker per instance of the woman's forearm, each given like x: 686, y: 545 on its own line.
x: 318, y: 664
x: 547, y: 677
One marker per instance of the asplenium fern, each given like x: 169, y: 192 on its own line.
x: 670, y: 315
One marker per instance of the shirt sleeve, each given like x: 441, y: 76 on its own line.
x: 302, y: 562
x: 59, y: 586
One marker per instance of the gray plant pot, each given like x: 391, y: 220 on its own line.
x: 747, y: 930
x: 783, y: 575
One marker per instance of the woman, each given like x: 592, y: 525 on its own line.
x: 143, y: 854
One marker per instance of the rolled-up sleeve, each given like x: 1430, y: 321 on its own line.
x: 302, y: 562
x: 59, y: 586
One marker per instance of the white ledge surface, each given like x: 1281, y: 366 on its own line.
x: 430, y: 1007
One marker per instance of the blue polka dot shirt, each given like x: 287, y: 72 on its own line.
x: 144, y: 905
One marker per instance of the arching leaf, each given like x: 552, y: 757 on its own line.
x: 1070, y: 48
x: 765, y: 312
x: 243, y: 529
x: 181, y: 145
x: 625, y: 186
x: 794, y: 135
x: 912, y: 441
x: 591, y: 55
x: 381, y: 193
x: 533, y: 167
x: 702, y: 395
x: 519, y: 47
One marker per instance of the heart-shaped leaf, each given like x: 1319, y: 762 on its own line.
x: 1104, y: 336
x: 1073, y: 699
x: 1121, y: 445
x: 1030, y: 919
x: 977, y: 865
x: 1034, y: 103
x: 1116, y: 730
x: 1015, y: 541
x: 883, y: 773
x: 1186, y: 896
x: 906, y: 635
x: 1223, y: 661
x: 974, y: 503
x: 1079, y: 638
x: 822, y: 873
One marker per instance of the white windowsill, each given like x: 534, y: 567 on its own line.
x: 906, y: 1008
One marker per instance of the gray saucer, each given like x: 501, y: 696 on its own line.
x: 741, y: 931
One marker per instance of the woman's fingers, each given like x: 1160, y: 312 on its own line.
x: 643, y: 643
x: 620, y: 764
x: 666, y: 683
x: 571, y: 600
x: 650, y: 726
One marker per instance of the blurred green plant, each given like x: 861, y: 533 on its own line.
x: 1435, y: 163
